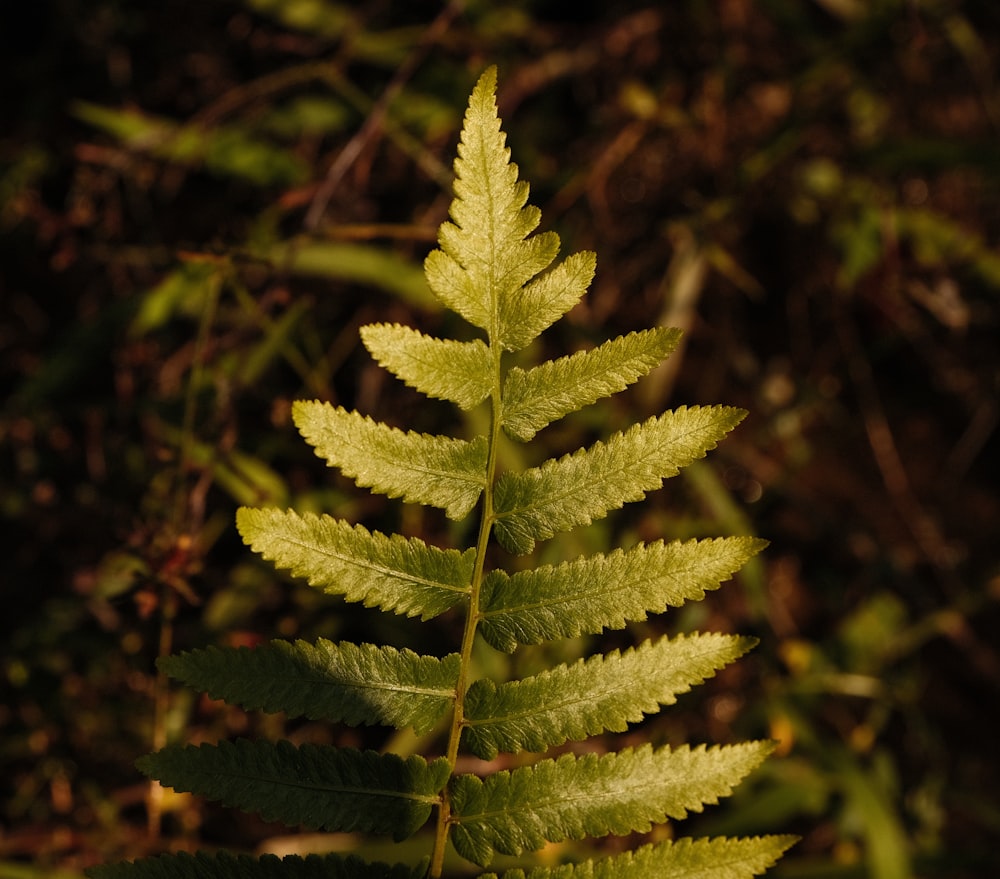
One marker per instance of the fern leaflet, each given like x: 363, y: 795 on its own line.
x: 347, y: 683
x: 578, y: 488
x: 421, y: 469
x: 587, y: 595
x: 593, y: 695
x: 536, y: 397
x: 317, y: 787
x: 574, y: 797
x: 440, y: 368
x: 393, y: 573
x: 673, y: 859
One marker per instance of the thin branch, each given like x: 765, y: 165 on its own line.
x: 374, y: 123
x: 925, y: 531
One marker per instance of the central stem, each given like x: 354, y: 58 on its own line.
x: 471, y: 621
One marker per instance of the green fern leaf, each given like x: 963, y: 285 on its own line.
x: 585, y: 596
x: 440, y: 368
x: 542, y: 302
x: 488, y: 254
x: 497, y: 270
x: 718, y: 858
x: 317, y: 787
x: 399, y: 574
x: 347, y: 683
x: 589, y: 697
x: 576, y: 489
x: 421, y: 469
x: 574, y: 797
x: 226, y: 866
x: 536, y: 397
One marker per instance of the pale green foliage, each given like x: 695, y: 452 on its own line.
x: 536, y: 397
x: 573, y: 797
x: 581, y: 487
x: 441, y: 368
x: 588, y: 595
x: 486, y: 267
x: 503, y: 278
x: 584, y: 699
x: 393, y: 573
x: 421, y: 469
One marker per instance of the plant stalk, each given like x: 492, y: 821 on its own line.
x: 486, y: 521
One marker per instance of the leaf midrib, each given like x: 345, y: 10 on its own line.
x: 582, y: 595
x: 283, y: 781
x: 365, y: 564
x: 363, y: 685
x: 632, y: 789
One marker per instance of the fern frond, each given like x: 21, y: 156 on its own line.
x: 536, y: 397
x: 347, y: 683
x: 588, y: 595
x: 226, y: 866
x: 440, y: 368
x: 578, y: 488
x: 591, y: 696
x: 488, y: 254
x: 574, y: 797
x: 718, y: 858
x: 419, y: 468
x: 399, y: 574
x: 318, y: 787
x: 495, y: 269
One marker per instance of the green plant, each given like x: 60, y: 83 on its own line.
x: 494, y: 272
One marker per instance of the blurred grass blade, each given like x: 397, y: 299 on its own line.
x: 361, y: 263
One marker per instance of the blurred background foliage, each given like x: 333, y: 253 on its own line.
x: 200, y: 203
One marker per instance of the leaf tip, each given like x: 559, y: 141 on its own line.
x: 486, y: 86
